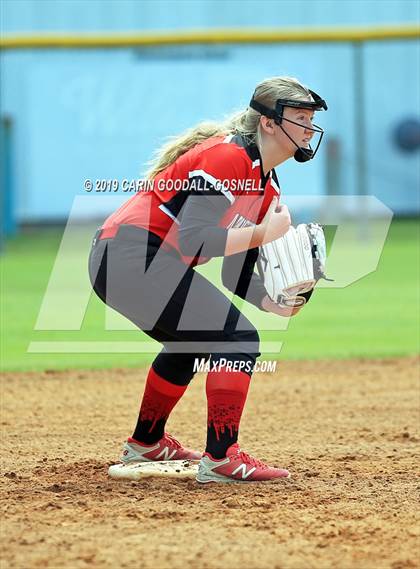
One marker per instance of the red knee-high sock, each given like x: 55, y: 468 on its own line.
x: 159, y: 398
x: 226, y: 395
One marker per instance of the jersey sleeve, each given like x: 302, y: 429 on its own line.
x: 212, y: 183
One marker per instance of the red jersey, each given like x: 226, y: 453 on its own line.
x: 225, y: 166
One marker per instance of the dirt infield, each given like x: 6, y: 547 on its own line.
x: 346, y: 430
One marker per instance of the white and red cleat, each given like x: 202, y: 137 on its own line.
x: 167, y: 448
x: 237, y: 466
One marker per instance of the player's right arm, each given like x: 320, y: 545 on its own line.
x: 275, y: 224
x: 207, y: 204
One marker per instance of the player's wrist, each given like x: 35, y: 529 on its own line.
x: 269, y: 305
x: 258, y: 236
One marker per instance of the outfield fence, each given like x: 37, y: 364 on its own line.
x: 357, y: 37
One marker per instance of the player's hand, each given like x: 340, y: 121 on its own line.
x: 285, y: 311
x: 276, y: 222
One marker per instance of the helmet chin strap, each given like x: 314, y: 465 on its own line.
x: 301, y: 154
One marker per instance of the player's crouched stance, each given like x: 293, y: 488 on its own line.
x: 161, y: 235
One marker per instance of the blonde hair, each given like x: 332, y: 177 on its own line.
x: 245, y: 123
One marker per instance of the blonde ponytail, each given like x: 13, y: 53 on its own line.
x: 178, y: 145
x: 245, y: 123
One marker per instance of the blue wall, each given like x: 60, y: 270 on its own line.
x: 101, y: 114
x: 111, y: 15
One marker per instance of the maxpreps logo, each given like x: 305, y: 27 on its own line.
x: 354, y: 252
x: 205, y: 366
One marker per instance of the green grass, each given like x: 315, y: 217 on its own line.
x: 375, y: 317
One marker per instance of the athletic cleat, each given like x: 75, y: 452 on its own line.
x: 237, y: 467
x: 168, y: 448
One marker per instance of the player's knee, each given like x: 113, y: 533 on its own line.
x: 248, y: 342
x: 178, y: 368
x: 242, y: 354
x: 234, y: 363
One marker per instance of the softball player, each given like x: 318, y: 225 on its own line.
x: 211, y: 192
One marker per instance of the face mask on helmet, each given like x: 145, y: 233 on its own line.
x: 302, y: 154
